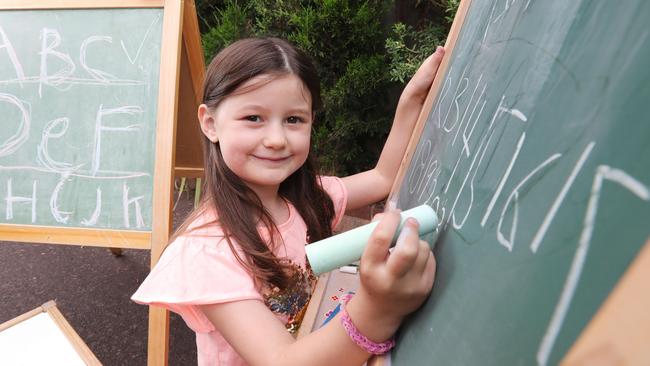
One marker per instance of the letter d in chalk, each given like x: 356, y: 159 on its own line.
x: 345, y: 248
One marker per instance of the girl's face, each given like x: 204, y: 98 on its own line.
x: 263, y: 129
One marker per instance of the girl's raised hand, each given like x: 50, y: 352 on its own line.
x: 418, y: 87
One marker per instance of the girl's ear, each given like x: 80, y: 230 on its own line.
x: 207, y: 122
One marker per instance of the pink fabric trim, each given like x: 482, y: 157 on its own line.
x: 339, y: 195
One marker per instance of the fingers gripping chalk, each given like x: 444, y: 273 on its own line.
x: 345, y: 248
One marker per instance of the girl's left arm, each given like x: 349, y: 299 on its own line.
x: 374, y: 185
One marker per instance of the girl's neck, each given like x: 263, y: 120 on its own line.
x: 274, y: 204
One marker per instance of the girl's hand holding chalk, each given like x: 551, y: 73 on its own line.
x: 392, y: 284
x: 345, y: 248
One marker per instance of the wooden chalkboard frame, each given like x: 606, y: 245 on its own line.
x: 57, y: 317
x: 619, y: 331
x: 179, y: 94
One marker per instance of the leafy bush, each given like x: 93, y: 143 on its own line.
x: 363, y: 62
x: 408, y: 48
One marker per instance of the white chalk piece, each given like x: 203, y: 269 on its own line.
x: 349, y: 269
x: 342, y: 249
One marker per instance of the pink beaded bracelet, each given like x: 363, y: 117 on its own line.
x: 361, y: 340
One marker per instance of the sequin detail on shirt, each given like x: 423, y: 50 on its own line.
x: 291, y: 303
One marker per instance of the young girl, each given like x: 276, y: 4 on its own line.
x: 236, y: 270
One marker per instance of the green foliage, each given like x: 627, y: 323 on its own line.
x: 408, y: 48
x: 451, y: 6
x: 229, y: 23
x: 362, y: 70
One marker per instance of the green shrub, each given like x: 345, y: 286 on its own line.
x: 362, y: 60
x: 407, y: 48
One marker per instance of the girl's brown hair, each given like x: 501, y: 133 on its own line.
x: 238, y: 208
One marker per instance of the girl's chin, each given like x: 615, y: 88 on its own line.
x: 266, y: 184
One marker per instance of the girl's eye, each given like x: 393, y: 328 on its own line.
x: 294, y: 119
x: 252, y: 118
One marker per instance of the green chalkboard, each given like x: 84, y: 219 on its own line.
x: 78, y: 103
x: 536, y: 157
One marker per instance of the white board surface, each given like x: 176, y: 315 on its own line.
x: 37, y: 341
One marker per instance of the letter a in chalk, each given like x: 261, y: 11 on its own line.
x: 11, y: 52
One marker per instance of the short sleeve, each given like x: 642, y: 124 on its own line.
x: 196, y: 270
x: 335, y: 188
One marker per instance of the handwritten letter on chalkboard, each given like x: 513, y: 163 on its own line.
x: 78, y: 102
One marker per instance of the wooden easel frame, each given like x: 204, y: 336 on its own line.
x: 75, y: 341
x: 181, y: 76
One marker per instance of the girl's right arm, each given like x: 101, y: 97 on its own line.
x: 392, y: 285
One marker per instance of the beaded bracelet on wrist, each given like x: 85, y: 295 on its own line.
x: 361, y: 340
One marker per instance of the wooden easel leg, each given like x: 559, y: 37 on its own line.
x: 157, y: 351
x: 180, y: 192
x: 116, y: 251
x: 197, y: 192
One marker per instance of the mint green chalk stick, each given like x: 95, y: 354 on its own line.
x: 345, y: 248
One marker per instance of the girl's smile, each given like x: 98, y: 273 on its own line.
x: 273, y: 159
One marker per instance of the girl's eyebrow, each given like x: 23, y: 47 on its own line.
x: 251, y: 106
x: 300, y: 111
x: 290, y: 111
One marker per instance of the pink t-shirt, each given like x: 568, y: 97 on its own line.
x: 199, y: 268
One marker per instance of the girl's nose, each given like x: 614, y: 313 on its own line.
x: 275, y: 136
